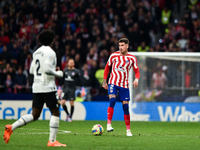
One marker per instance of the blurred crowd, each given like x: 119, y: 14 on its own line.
x: 88, y: 31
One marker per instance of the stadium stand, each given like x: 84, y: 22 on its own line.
x: 88, y: 31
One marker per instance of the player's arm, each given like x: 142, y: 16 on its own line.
x: 105, y: 75
x: 31, y: 70
x: 137, y: 74
x: 48, y: 69
x: 62, y: 79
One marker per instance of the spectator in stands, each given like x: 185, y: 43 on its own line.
x: 27, y: 63
x: 5, y: 55
x: 103, y: 56
x: 59, y: 52
x: 87, y: 77
x: 174, y: 46
x: 4, y: 38
x: 8, y: 84
x: 11, y: 72
x: 92, y: 55
x: 78, y: 62
x: 143, y: 47
x: 189, y: 78
x: 22, y: 55
x: 79, y: 23
x: 20, y: 81
x: 1, y: 47
x: 182, y: 41
x: 15, y: 50
x: 158, y: 48
x: 158, y: 79
x: 166, y: 17
x: 65, y: 57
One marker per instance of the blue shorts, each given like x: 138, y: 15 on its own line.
x: 123, y: 92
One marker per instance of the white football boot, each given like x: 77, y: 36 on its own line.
x: 128, y: 133
x: 109, y: 128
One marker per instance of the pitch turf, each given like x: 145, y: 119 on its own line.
x: 146, y: 135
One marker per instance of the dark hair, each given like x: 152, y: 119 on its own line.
x: 125, y: 40
x: 46, y: 37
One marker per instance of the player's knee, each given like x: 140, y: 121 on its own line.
x: 72, y: 103
x: 112, y: 96
x: 125, y: 102
x: 63, y: 102
x: 112, y: 100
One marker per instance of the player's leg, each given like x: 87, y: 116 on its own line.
x: 112, y: 92
x: 71, y: 95
x: 63, y: 101
x: 52, y: 104
x: 20, y: 122
x: 127, y: 117
x: 36, y: 110
x: 124, y: 96
x: 27, y: 118
x: 71, y: 111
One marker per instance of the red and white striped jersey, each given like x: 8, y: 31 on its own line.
x: 120, y: 68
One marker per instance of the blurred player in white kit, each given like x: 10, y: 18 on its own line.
x: 44, y: 69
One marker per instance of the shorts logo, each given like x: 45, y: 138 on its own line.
x: 111, y: 88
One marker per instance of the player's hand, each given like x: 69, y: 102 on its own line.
x: 135, y: 83
x: 105, y: 85
x: 57, y: 68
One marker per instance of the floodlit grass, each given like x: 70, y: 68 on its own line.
x: 146, y: 135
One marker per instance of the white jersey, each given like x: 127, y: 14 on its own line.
x: 43, y: 68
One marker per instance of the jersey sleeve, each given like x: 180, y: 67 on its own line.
x: 62, y: 79
x: 31, y: 70
x: 136, y: 68
x: 107, y: 67
x: 48, y: 63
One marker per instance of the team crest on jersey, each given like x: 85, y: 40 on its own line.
x: 73, y: 73
x: 120, y: 68
x: 127, y: 61
x: 50, y: 58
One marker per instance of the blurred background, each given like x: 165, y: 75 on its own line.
x: 88, y: 31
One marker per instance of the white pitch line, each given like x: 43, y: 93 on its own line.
x: 59, y: 132
x: 47, y: 129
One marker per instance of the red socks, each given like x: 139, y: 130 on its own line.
x: 126, y: 117
x: 127, y: 121
x: 110, y: 114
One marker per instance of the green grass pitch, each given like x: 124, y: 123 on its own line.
x: 146, y: 135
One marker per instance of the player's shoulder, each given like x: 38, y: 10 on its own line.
x: 45, y: 50
x: 65, y: 70
x: 49, y: 51
x: 117, y: 53
x: 131, y: 55
x: 75, y: 69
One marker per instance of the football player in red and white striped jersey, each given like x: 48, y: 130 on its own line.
x: 120, y: 62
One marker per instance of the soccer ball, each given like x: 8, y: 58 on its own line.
x: 97, y: 129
